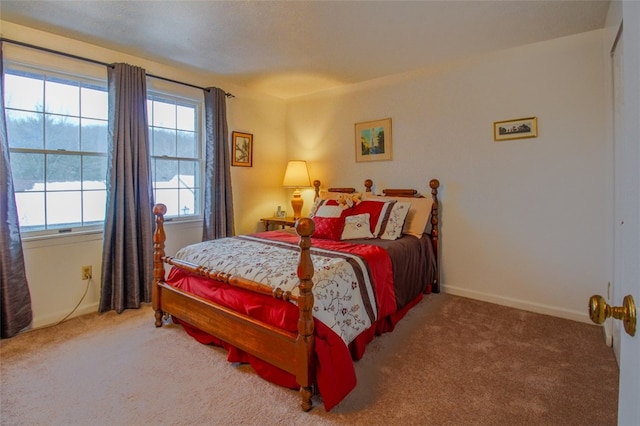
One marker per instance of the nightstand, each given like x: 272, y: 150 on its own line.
x: 282, y: 221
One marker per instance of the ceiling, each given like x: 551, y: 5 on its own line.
x: 292, y: 48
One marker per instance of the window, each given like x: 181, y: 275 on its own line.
x: 175, y: 153
x: 57, y: 131
x: 57, y: 125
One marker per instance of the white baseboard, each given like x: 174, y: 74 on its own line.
x: 44, y: 321
x: 519, y: 304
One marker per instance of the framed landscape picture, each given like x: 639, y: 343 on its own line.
x: 241, y: 149
x: 373, y: 140
x: 520, y: 128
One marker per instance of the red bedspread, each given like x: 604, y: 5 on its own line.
x: 335, y: 373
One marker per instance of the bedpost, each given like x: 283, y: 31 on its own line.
x: 435, y: 184
x: 305, y: 374
x: 159, y: 237
x: 316, y: 189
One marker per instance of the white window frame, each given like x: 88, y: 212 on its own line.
x: 92, y: 80
x: 179, y: 94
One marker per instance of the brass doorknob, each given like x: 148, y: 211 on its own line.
x: 599, y: 310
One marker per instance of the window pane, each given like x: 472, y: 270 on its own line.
x: 166, y: 172
x: 164, y: 114
x: 94, y: 172
x: 94, y: 103
x: 22, y: 92
x: 94, y: 135
x: 30, y: 209
x: 62, y: 97
x: 168, y: 197
x: 189, y: 174
x: 62, y: 132
x: 164, y: 142
x: 63, y: 172
x: 187, y: 144
x: 64, y: 208
x: 187, y: 202
x: 93, y: 206
x: 24, y: 130
x: 186, y: 118
x: 27, y: 171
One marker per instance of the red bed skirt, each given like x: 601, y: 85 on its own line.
x: 335, y: 374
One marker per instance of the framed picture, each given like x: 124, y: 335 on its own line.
x: 515, y: 129
x: 242, y: 149
x: 373, y: 140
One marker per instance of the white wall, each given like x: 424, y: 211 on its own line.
x: 523, y: 222
x: 54, y: 263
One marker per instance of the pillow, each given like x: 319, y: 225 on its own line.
x: 329, y: 228
x: 356, y: 226
x: 378, y: 211
x: 418, y: 216
x: 393, y: 227
x: 327, y: 210
x: 319, y: 203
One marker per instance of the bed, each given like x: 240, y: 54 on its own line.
x: 301, y: 306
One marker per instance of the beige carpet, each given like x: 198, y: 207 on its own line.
x: 451, y: 361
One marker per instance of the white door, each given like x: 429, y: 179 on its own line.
x: 627, y: 209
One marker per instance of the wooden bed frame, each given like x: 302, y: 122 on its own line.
x: 293, y: 353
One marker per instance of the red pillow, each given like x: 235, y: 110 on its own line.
x: 379, y: 212
x: 328, y: 228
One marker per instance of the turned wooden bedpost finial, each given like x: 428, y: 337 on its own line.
x: 368, y: 184
x: 305, y: 377
x: 316, y: 189
x: 159, y: 237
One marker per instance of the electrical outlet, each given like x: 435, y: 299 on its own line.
x: 86, y: 272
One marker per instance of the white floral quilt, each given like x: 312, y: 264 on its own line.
x: 343, y: 290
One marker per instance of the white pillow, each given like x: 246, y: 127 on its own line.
x: 356, y: 226
x: 329, y: 211
x: 393, y: 228
x: 316, y: 204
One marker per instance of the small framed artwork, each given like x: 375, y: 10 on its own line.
x: 520, y: 128
x: 241, y: 149
x: 373, y: 140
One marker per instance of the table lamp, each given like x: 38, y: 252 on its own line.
x: 296, y: 176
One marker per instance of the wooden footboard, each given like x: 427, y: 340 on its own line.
x: 289, y: 351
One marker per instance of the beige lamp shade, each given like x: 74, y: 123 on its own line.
x: 296, y: 176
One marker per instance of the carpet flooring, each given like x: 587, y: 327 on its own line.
x: 450, y: 361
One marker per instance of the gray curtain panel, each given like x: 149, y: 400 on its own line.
x: 15, y: 299
x: 218, y: 200
x: 127, y: 258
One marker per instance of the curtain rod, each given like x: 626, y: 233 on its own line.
x: 93, y: 61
